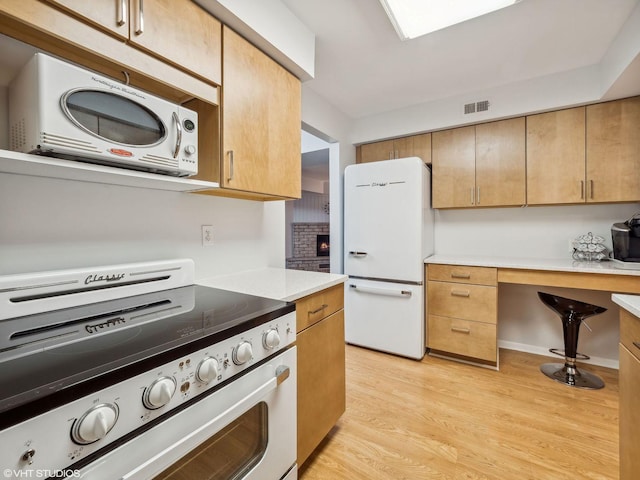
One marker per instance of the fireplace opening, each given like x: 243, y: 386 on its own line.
x: 322, y: 245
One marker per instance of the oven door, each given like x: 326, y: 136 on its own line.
x: 246, y: 430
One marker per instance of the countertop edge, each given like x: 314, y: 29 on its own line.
x: 631, y: 303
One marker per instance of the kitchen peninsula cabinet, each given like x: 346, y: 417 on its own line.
x: 413, y: 146
x: 480, y: 166
x: 629, y: 394
x: 178, y: 31
x: 261, y: 121
x: 321, y: 366
x: 462, y: 311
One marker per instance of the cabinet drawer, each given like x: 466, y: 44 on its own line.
x: 463, y: 274
x: 630, y: 332
x: 462, y: 337
x: 469, y: 302
x: 315, y: 307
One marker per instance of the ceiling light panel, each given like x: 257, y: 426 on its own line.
x: 414, y: 18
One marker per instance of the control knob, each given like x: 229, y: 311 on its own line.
x: 159, y: 393
x: 242, y: 353
x: 94, y: 424
x: 190, y: 149
x: 207, y: 370
x: 271, y: 339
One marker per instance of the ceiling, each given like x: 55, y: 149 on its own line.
x: 363, y: 69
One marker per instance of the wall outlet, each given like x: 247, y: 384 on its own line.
x: 207, y: 235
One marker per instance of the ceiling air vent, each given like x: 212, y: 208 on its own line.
x: 481, y: 106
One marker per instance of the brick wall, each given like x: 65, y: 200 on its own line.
x: 304, y: 239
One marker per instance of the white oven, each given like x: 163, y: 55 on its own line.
x: 178, y: 382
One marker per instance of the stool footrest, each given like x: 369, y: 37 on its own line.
x: 560, y: 353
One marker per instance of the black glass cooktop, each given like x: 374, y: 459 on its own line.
x: 57, y: 355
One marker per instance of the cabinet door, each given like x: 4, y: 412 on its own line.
x: 556, y: 157
x: 422, y: 147
x: 629, y: 415
x: 403, y: 147
x: 111, y: 15
x: 180, y: 32
x: 454, y: 167
x: 261, y: 122
x: 321, y: 381
x: 374, y: 152
x: 613, y: 151
x: 500, y: 163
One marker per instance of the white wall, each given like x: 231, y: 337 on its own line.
x: 525, y: 323
x: 51, y: 224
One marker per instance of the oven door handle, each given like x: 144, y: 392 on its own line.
x: 149, y: 468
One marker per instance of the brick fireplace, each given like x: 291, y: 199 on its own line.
x: 310, y: 247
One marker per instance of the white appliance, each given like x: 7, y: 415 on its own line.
x: 132, y: 372
x: 388, y: 229
x: 61, y: 110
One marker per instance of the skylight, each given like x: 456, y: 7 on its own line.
x: 413, y: 18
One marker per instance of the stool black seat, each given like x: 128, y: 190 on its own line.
x: 572, y: 313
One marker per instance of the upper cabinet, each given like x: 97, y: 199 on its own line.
x: 261, y: 123
x: 178, y: 31
x: 556, y: 157
x: 413, y: 146
x: 584, y: 155
x: 613, y: 151
x: 479, y: 166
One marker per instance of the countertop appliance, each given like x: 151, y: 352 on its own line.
x: 389, y: 228
x: 626, y: 242
x: 133, y: 372
x: 60, y: 110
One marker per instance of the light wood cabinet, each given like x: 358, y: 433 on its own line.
x: 585, y: 154
x: 261, y: 122
x: 480, y: 166
x: 321, y: 366
x: 178, y: 31
x: 629, y: 384
x: 613, y: 151
x: 413, y: 146
x: 462, y: 312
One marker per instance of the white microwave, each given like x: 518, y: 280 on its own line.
x: 60, y: 110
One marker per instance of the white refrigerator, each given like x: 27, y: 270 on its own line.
x: 388, y: 232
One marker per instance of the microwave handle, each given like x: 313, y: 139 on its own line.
x: 179, y: 138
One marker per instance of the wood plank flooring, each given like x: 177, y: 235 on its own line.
x: 438, y: 419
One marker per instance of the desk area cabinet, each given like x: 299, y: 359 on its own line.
x: 462, y: 311
x: 321, y: 366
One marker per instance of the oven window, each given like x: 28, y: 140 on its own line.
x: 113, y: 117
x: 229, y: 454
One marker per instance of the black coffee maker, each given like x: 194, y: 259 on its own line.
x: 626, y: 240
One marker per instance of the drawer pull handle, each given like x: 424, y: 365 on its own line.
x: 461, y: 330
x: 636, y: 344
x: 461, y: 275
x: 322, y: 307
x: 460, y: 293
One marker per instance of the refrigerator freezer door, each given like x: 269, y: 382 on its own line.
x: 383, y: 219
x: 385, y: 316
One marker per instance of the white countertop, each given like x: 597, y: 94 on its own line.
x: 628, y: 302
x: 276, y: 283
x: 555, y: 264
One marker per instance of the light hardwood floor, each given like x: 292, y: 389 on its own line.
x: 446, y: 420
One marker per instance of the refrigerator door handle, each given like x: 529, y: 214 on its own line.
x: 358, y: 254
x: 381, y: 291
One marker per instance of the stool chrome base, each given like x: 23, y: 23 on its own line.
x: 571, y: 376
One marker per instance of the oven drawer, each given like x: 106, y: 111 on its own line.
x: 630, y: 332
x: 469, y: 302
x: 315, y: 307
x: 463, y: 274
x: 463, y: 337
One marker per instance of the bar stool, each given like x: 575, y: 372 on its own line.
x: 572, y: 312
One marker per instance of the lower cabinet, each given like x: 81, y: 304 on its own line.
x: 321, y: 366
x: 629, y: 384
x: 462, y: 312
